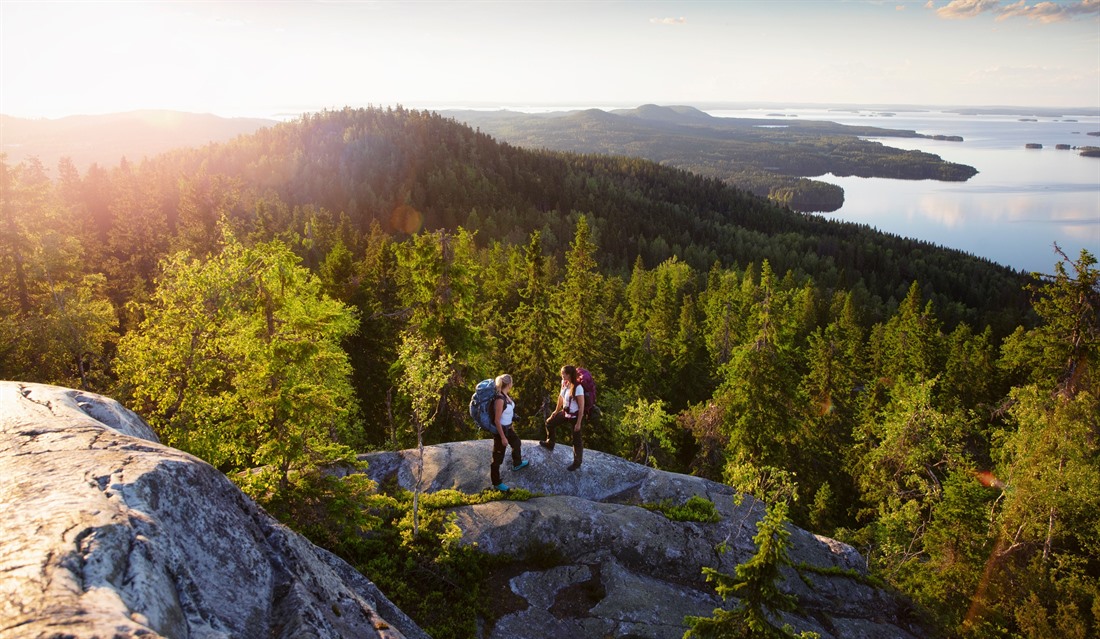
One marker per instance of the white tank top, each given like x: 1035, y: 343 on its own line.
x: 506, y: 414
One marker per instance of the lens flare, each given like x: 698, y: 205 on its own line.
x: 988, y: 479
x: 406, y: 219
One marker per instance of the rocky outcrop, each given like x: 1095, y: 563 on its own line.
x: 622, y: 570
x: 107, y: 533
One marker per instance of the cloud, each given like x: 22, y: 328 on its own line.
x: 1044, y: 11
x: 963, y: 9
x: 668, y: 20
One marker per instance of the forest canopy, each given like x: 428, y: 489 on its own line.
x: 339, y: 284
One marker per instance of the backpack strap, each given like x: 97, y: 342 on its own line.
x: 573, y: 398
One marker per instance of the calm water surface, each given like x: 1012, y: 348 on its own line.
x: 1019, y: 204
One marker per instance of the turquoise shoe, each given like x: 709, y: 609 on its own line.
x: 523, y: 464
x: 502, y: 487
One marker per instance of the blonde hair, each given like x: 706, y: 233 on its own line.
x: 502, y: 381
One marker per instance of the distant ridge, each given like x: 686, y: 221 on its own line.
x: 106, y: 139
x: 673, y: 114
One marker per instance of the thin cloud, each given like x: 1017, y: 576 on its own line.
x: 963, y: 9
x: 1044, y: 12
x: 668, y: 20
x: 1047, y: 12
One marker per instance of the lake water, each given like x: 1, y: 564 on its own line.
x: 1019, y: 204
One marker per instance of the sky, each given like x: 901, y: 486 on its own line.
x: 250, y: 58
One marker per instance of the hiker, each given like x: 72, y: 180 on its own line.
x: 503, y: 409
x: 569, y: 410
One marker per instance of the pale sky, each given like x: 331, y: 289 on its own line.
x: 262, y: 58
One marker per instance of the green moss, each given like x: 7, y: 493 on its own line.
x: 834, y: 571
x: 696, y: 508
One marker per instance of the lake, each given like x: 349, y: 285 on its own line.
x: 1019, y: 204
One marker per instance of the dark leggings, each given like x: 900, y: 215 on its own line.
x: 556, y: 420
x: 498, y: 453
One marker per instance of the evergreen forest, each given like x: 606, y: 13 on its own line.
x: 772, y: 157
x: 278, y: 303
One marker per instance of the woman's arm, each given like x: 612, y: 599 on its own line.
x: 498, y: 409
x: 580, y: 411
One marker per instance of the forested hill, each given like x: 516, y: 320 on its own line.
x: 771, y: 157
x: 412, y: 170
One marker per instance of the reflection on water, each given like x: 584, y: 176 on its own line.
x: 1019, y: 204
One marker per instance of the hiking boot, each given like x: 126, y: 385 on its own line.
x: 547, y: 445
x: 574, y: 466
x: 523, y: 464
x: 502, y: 487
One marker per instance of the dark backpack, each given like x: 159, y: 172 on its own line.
x: 584, y: 378
x: 480, y: 401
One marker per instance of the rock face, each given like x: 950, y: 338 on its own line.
x: 623, y: 570
x: 107, y: 533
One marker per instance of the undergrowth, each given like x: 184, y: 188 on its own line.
x: 434, y: 579
x: 696, y: 508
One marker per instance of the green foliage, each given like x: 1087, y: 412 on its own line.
x: 696, y: 508
x: 766, y: 483
x: 659, y: 340
x: 761, y: 159
x: 760, y: 379
x: 325, y: 506
x: 529, y: 354
x: 805, y: 569
x: 426, y: 367
x: 76, y: 330
x: 1052, y: 467
x: 373, y: 349
x: 1065, y: 347
x: 584, y: 326
x: 731, y: 338
x: 755, y: 585
x: 238, y: 361
x: 59, y: 324
x: 645, y: 430
x: 440, y: 583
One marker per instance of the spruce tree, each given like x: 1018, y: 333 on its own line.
x: 531, y: 355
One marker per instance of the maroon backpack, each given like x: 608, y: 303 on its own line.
x: 589, y: 385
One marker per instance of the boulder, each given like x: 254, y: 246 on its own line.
x: 107, y: 533
x: 623, y: 570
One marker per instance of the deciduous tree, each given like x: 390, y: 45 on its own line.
x: 238, y: 360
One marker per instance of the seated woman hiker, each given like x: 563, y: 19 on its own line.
x: 569, y: 410
x: 503, y: 409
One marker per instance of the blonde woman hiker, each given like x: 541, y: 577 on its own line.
x: 503, y: 410
x: 569, y: 410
